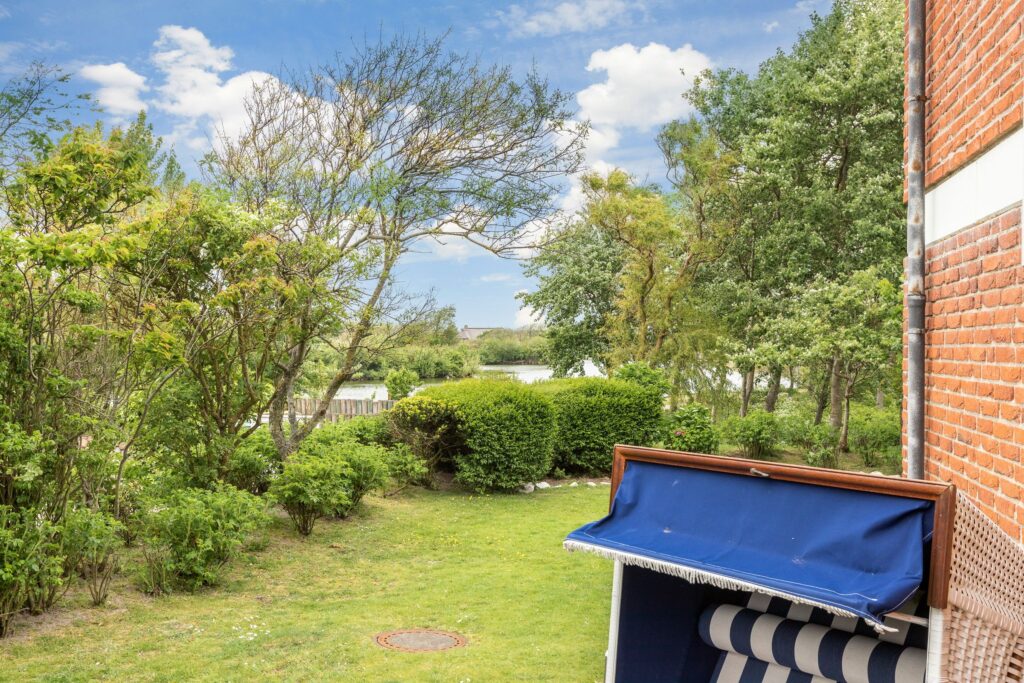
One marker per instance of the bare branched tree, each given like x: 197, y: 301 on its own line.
x: 360, y: 160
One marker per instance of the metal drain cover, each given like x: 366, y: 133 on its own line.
x: 420, y: 640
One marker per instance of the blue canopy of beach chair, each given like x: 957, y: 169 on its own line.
x: 851, y: 552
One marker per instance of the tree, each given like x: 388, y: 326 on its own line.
x: 858, y: 322
x: 31, y: 105
x: 63, y: 364
x: 618, y: 284
x: 360, y: 160
x: 577, y: 270
x: 817, y: 136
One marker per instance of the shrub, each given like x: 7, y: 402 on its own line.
x: 156, y: 577
x: 366, y: 462
x: 822, y: 446
x: 368, y: 471
x: 400, y: 383
x: 757, y: 434
x: 505, y: 432
x: 24, y: 557
x: 690, y: 429
x: 52, y: 564
x: 430, y: 427
x: 796, y: 423
x: 95, y: 537
x: 644, y: 375
x: 892, y: 459
x: 498, y: 347
x: 594, y: 414
x: 404, y: 469
x: 130, y: 511
x: 873, y: 431
x: 194, y: 532
x: 370, y: 430
x: 313, y: 485
x: 428, y: 362
x: 254, y: 463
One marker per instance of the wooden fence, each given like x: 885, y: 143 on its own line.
x: 342, y: 408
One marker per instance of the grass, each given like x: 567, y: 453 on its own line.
x: 489, y: 567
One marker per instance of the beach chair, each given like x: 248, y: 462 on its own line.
x: 730, y: 570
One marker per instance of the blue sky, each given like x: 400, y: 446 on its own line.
x: 189, y: 63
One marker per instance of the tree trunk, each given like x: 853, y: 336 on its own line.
x: 844, y: 433
x: 880, y: 397
x: 774, y: 384
x: 837, y: 391
x: 293, y: 418
x: 287, y: 444
x: 844, y: 436
x: 821, y: 397
x: 748, y: 389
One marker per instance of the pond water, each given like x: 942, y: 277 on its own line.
x: 524, y: 373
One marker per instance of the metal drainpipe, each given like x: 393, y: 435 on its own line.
x: 915, y: 236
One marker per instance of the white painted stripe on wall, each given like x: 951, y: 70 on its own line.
x: 988, y: 185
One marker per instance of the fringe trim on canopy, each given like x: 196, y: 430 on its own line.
x: 717, y: 580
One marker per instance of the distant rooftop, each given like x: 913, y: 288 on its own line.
x: 468, y: 333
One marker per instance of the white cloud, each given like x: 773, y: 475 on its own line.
x: 4, y: 12
x: 806, y: 5
x: 600, y: 140
x: 451, y: 249
x: 496, y: 277
x: 190, y: 87
x: 193, y: 88
x: 572, y: 16
x: 120, y: 87
x: 644, y: 86
x: 770, y: 26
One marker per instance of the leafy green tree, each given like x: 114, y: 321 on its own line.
x: 857, y: 321
x: 400, y: 383
x: 816, y: 139
x: 577, y: 270
x: 66, y: 359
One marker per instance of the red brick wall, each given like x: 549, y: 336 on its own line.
x: 974, y: 79
x: 974, y: 392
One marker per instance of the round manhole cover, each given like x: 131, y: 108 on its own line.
x: 420, y: 640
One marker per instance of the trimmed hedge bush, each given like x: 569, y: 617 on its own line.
x: 691, y: 429
x: 593, y: 414
x: 506, y: 431
x: 430, y: 427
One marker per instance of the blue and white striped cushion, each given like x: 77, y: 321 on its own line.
x: 737, y: 668
x: 903, y: 633
x: 810, y: 648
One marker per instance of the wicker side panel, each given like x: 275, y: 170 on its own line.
x: 978, y: 652
x: 987, y: 570
x: 1015, y: 672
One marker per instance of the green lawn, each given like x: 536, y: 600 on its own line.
x: 489, y: 567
